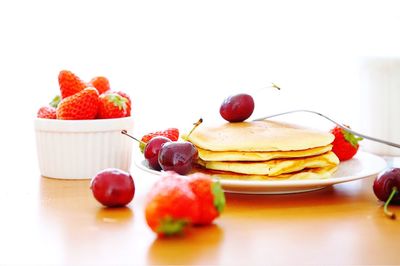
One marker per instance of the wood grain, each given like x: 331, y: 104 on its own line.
x: 59, y: 222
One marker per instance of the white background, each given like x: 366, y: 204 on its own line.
x: 179, y: 59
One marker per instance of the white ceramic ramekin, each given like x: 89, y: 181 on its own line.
x: 78, y: 149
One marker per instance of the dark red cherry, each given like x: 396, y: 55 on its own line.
x: 152, y: 150
x: 178, y: 157
x: 386, y: 188
x: 237, y: 108
x: 113, y: 187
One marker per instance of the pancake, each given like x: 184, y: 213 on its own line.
x: 256, y: 136
x: 312, y: 173
x: 207, y: 155
x: 273, y: 167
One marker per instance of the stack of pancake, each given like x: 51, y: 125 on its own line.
x: 263, y: 150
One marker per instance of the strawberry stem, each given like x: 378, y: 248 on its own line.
x: 56, y: 100
x: 351, y: 138
x: 118, y: 101
x: 124, y: 132
x: 219, y: 196
x: 169, y: 226
x: 390, y: 214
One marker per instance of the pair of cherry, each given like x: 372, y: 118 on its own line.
x: 163, y: 154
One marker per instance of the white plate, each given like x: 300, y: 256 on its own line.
x: 361, y: 166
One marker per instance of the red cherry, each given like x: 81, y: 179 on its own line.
x: 386, y: 188
x: 113, y: 187
x: 237, y: 108
x: 152, y: 149
x: 178, y: 157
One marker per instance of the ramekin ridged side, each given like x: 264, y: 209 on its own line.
x: 80, y: 149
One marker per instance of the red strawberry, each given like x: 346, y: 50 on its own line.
x: 112, y: 105
x: 101, y: 84
x: 70, y: 83
x: 171, y: 205
x: 345, y: 144
x: 128, y: 103
x: 47, y: 112
x: 171, y: 133
x: 210, y: 195
x: 80, y: 106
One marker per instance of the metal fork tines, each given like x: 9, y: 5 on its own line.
x: 338, y: 124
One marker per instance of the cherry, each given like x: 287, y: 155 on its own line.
x: 113, y: 187
x: 152, y: 150
x: 386, y: 188
x: 237, y: 108
x: 177, y: 156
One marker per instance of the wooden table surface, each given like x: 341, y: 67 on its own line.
x: 48, y: 221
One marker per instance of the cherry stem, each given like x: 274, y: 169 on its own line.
x: 195, y: 125
x: 124, y: 132
x: 391, y: 215
x: 273, y: 85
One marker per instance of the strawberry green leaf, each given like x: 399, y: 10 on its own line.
x: 351, y: 138
x: 56, y: 100
x: 219, y: 196
x: 118, y: 101
x: 170, y: 226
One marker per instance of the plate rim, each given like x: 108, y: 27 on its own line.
x: 241, y: 185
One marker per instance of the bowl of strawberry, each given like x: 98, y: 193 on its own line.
x: 79, y: 132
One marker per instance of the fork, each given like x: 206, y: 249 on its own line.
x: 333, y: 121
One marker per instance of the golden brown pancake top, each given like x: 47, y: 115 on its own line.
x: 267, y: 135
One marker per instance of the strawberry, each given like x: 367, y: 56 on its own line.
x: 345, y: 144
x: 101, y: 84
x: 171, y: 206
x: 80, y: 106
x: 112, y: 105
x: 70, y: 83
x: 128, y: 103
x: 48, y: 112
x: 171, y: 133
x: 210, y: 195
